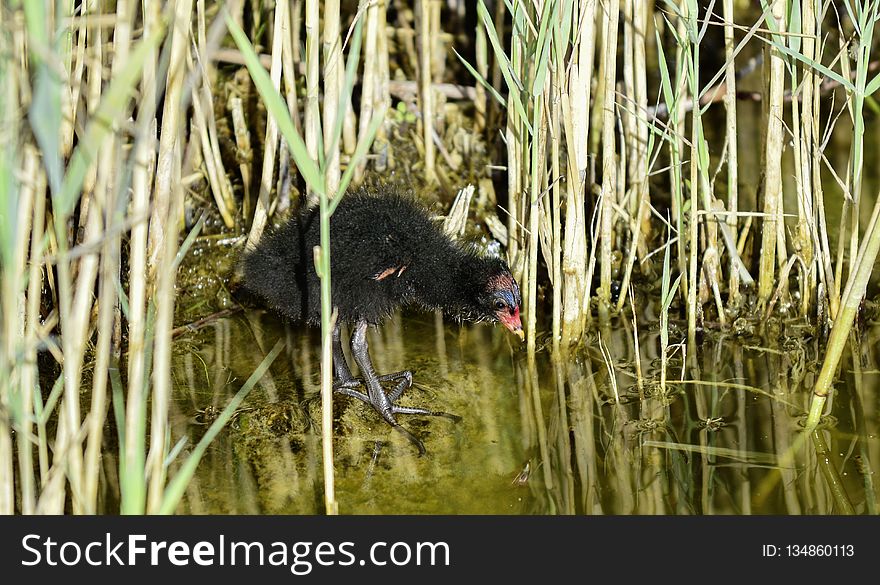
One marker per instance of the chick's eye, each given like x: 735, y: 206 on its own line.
x: 499, y: 305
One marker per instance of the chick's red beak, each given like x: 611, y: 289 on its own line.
x: 511, y: 320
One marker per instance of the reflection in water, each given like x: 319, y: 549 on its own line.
x: 580, y: 434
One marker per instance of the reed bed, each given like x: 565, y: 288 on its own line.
x: 604, y: 138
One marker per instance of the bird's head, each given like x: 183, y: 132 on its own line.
x: 501, y: 299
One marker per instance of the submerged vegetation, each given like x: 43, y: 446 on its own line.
x: 684, y: 189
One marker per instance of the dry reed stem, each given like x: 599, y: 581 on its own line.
x: 382, y: 92
x: 481, y: 49
x: 169, y: 135
x: 9, y: 300
x: 29, y: 374
x: 773, y: 168
x: 556, y: 202
x: 426, y: 93
x: 576, y: 116
x: 609, y: 163
x: 537, y: 170
x: 732, y: 142
x: 368, y: 80
x: 333, y: 71
x: 164, y: 226
x: 312, y: 125
x: 244, y: 151
x: 808, y: 236
x: 206, y: 126
x: 643, y: 203
x: 15, y: 395
x: 290, y: 57
x: 696, y: 184
x: 270, y: 145
x: 107, y: 301
x: 144, y: 159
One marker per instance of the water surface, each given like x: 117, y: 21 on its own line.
x: 575, y: 435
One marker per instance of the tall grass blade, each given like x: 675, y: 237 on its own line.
x: 177, y: 486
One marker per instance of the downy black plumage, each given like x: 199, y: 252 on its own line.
x: 385, y: 252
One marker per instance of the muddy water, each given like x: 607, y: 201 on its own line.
x: 575, y: 435
x: 270, y: 460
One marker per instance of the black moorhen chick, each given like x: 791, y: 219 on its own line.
x: 385, y: 252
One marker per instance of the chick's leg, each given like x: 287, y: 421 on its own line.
x: 343, y: 380
x: 384, y: 403
x: 345, y: 383
x: 375, y: 395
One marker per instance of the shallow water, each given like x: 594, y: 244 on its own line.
x: 578, y: 435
